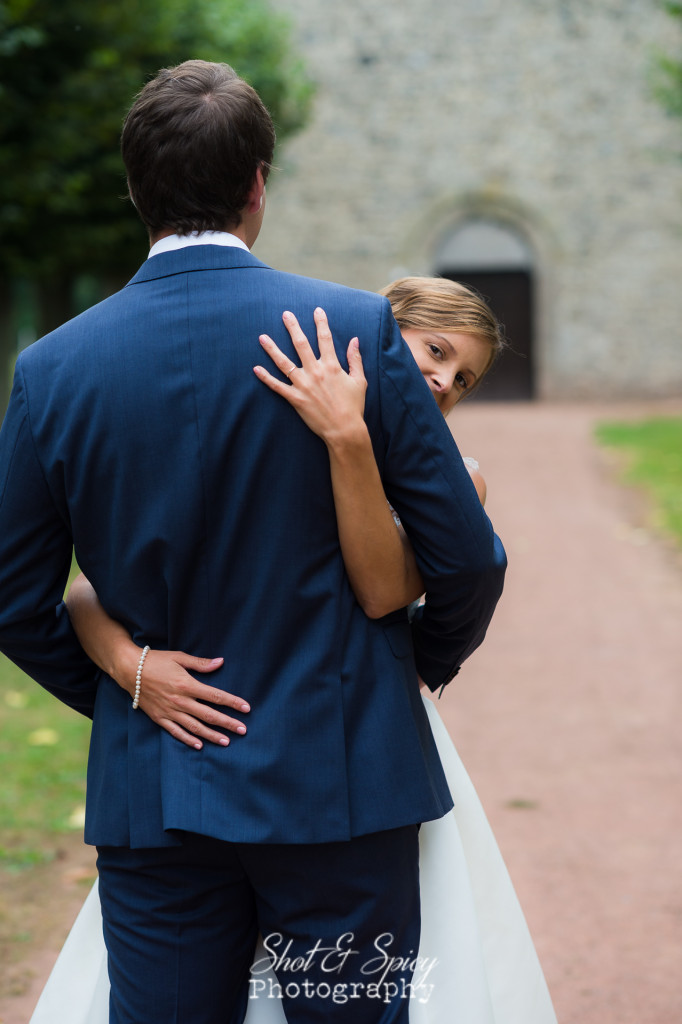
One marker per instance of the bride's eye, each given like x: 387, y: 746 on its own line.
x: 435, y: 350
x: 462, y: 381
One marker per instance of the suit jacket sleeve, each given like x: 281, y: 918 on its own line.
x: 35, y: 558
x: 461, y: 560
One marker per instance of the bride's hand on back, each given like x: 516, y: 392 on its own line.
x: 169, y: 695
x: 328, y: 399
x: 175, y: 700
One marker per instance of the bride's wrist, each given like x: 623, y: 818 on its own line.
x: 125, y: 658
x: 348, y: 437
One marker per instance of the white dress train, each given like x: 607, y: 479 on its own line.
x: 478, y: 962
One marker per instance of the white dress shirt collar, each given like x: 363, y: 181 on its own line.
x: 172, y: 242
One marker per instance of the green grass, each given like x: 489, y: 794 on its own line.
x: 653, y: 450
x: 43, y: 754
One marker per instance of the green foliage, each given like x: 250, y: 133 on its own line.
x: 668, y: 71
x: 68, y: 72
x: 654, y: 455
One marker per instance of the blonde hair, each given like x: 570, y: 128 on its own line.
x: 436, y: 303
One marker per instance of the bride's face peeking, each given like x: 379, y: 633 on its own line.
x: 451, y: 362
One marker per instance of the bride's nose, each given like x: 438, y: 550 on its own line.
x: 444, y: 380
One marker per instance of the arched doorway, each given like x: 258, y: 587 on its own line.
x: 490, y: 257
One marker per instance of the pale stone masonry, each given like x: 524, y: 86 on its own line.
x: 527, y: 119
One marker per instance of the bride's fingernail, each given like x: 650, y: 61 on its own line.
x: 286, y: 315
x: 245, y: 707
x: 224, y: 742
x: 197, y: 746
x: 216, y: 661
x: 241, y: 729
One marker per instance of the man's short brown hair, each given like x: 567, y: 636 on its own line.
x: 192, y: 143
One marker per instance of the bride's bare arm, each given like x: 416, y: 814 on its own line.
x: 479, y: 483
x: 378, y: 556
x: 170, y: 696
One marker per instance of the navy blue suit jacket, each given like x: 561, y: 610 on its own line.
x: 201, y: 509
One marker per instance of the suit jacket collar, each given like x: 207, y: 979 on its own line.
x: 196, y: 258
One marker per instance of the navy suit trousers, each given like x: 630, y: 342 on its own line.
x: 340, y: 922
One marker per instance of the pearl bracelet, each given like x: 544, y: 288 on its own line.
x: 138, y: 678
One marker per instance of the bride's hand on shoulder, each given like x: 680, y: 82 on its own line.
x: 179, y: 703
x: 328, y: 399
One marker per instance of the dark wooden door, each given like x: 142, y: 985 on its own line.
x: 509, y: 293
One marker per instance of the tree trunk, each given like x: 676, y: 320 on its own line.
x: 8, y: 344
x: 55, y: 299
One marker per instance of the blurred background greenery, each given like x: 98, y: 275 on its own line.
x: 652, y: 451
x: 43, y: 753
x: 68, y: 71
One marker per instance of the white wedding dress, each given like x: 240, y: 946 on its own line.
x: 486, y: 970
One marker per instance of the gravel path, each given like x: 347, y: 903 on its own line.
x: 567, y: 719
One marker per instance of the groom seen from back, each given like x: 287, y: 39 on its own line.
x: 200, y: 508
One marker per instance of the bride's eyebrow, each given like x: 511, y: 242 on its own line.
x: 444, y: 341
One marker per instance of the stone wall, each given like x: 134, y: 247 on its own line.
x: 535, y: 114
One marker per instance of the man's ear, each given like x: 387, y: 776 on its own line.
x: 256, y: 193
